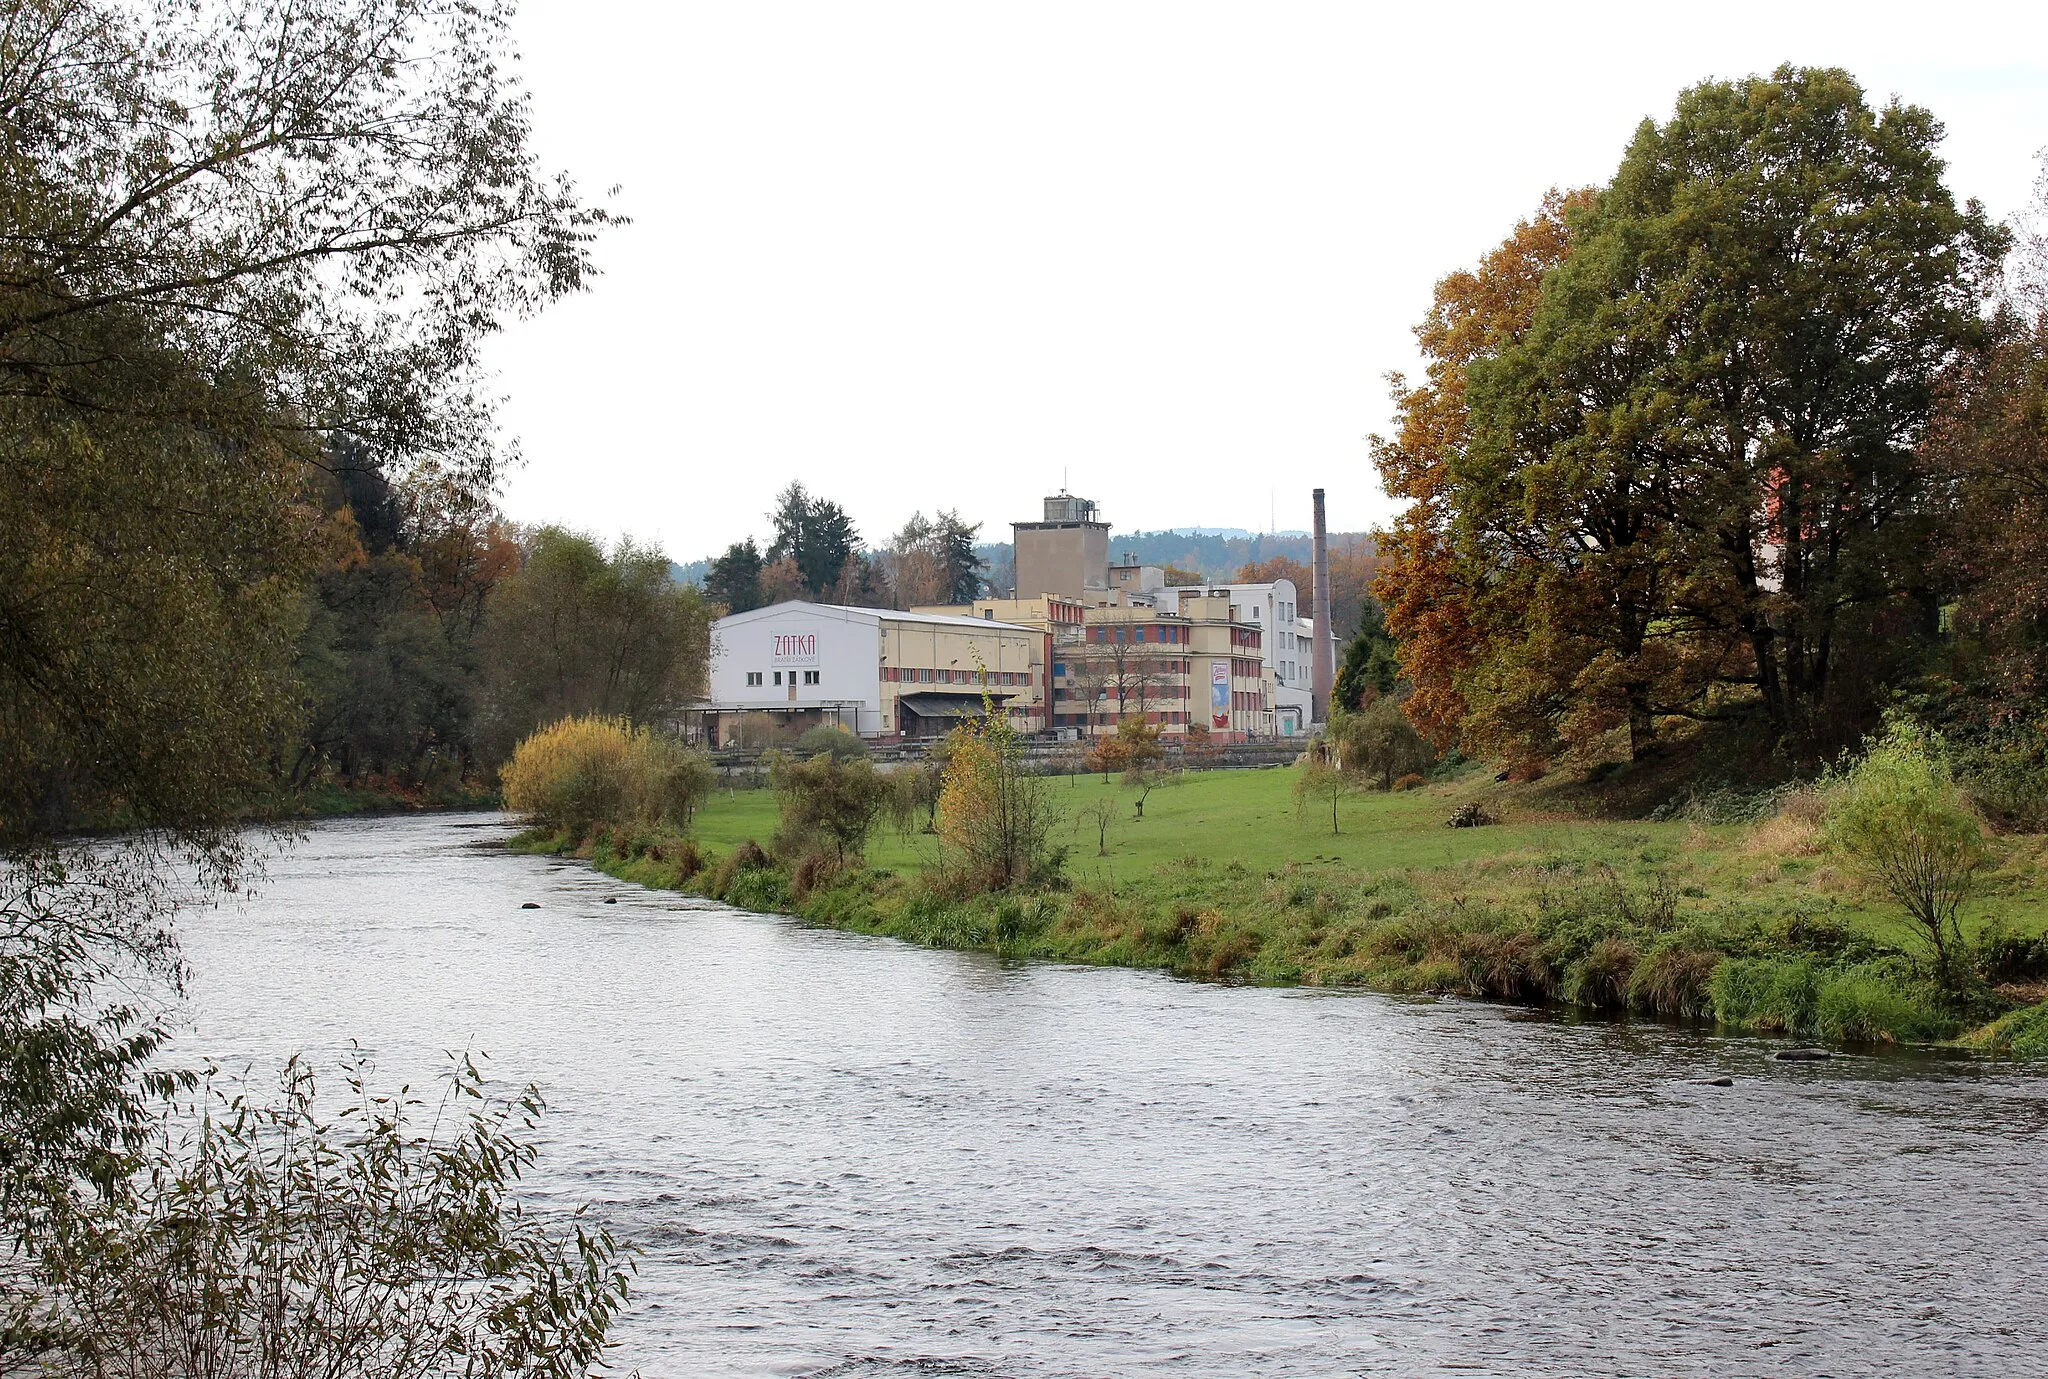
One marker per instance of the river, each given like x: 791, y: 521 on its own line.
x: 848, y: 1156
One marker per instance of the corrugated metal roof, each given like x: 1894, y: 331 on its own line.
x: 879, y: 615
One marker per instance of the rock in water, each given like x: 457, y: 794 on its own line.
x: 531, y: 905
x: 1802, y: 1055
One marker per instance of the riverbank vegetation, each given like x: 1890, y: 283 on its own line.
x: 1756, y: 913
x: 251, y: 254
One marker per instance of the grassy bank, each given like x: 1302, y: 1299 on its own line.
x: 1747, y: 925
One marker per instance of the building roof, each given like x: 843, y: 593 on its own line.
x: 876, y: 615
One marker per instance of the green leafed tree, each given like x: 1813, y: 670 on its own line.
x: 1691, y: 483
x: 734, y: 580
x: 582, y: 631
x: 1370, y: 666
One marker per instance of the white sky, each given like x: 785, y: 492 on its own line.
x: 941, y: 255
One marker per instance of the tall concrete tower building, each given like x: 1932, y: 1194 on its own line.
x: 1066, y: 554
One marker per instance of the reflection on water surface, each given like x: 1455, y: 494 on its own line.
x: 849, y: 1156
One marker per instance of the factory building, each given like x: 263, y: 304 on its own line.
x: 873, y: 671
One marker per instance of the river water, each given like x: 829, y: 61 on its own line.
x: 852, y: 1157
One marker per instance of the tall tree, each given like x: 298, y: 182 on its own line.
x: 581, y: 631
x: 734, y: 580
x: 1710, y: 425
x: 1689, y: 481
x: 962, y: 564
x: 1371, y: 664
x: 230, y: 232
x: 816, y: 535
x: 1276, y: 568
x: 1989, y: 445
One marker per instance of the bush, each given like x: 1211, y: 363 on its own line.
x: 580, y: 773
x: 1900, y: 822
x: 995, y: 817
x: 1780, y: 994
x: 1879, y: 1006
x: 828, y: 803
x: 1474, y: 815
x: 829, y: 739
x: 1411, y: 781
x: 284, y: 1237
x: 1875, y: 1002
x: 748, y: 856
x: 1379, y: 741
x: 2006, y: 777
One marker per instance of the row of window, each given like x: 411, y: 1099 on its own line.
x: 925, y: 675
x: 1134, y: 691
x: 810, y: 677
x: 1245, y: 701
x: 1138, y: 634
x: 1082, y: 720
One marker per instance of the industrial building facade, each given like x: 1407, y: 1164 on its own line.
x: 873, y: 671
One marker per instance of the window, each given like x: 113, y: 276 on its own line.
x: 778, y: 677
x: 1255, y: 612
x: 988, y: 614
x: 753, y: 677
x: 810, y: 677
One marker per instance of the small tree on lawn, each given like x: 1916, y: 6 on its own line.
x: 1322, y: 778
x: 1144, y: 760
x: 1900, y: 821
x: 1100, y: 816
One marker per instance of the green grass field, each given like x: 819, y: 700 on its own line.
x: 1251, y: 817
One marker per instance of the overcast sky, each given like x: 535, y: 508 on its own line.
x: 953, y: 255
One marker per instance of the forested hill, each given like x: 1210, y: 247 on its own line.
x: 1215, y: 555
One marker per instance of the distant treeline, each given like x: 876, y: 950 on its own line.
x: 937, y: 560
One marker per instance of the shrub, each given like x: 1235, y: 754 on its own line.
x: 1875, y: 1005
x: 748, y: 856
x: 1675, y: 979
x: 688, y: 859
x: 995, y: 818
x: 1899, y: 821
x: 1602, y: 978
x: 1410, y: 781
x: 1379, y: 741
x: 814, y: 870
x: 826, y: 803
x: 1779, y: 994
x: 578, y: 774
x: 829, y: 739
x: 1474, y: 815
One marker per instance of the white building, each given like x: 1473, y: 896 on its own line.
x: 873, y: 671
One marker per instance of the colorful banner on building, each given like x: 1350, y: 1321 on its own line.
x: 1219, y: 694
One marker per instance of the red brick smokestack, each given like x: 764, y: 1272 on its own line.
x: 1322, y: 656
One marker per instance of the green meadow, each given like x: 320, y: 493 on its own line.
x: 1228, y: 877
